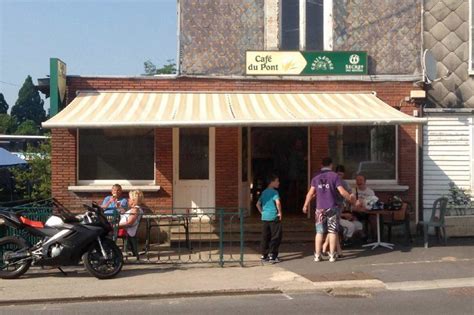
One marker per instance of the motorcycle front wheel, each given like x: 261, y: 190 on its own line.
x: 13, y: 257
x: 99, y: 266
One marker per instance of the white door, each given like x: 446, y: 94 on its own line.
x: 194, y: 168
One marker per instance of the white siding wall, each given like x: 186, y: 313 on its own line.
x: 447, y: 156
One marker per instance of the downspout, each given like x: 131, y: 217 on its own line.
x: 419, y: 133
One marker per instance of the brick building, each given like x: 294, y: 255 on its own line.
x: 208, y: 136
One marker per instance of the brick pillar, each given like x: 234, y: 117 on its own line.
x: 407, y: 156
x: 227, y: 171
x: 164, y: 167
x: 319, y: 147
x: 64, y: 166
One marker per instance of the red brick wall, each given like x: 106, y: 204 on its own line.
x: 163, y: 168
x: 319, y: 147
x: 227, y: 172
x: 63, y: 166
x: 64, y: 155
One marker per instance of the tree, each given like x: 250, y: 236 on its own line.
x: 7, y: 124
x: 3, y: 104
x: 28, y: 127
x: 35, y: 180
x: 29, y: 105
x: 151, y: 69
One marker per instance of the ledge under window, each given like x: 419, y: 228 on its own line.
x: 388, y: 187
x: 106, y: 188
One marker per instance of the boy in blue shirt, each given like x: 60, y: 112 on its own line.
x: 269, y: 206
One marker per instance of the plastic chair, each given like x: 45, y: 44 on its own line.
x: 438, y: 212
x: 397, y: 218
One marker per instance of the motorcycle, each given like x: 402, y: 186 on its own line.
x: 65, y: 240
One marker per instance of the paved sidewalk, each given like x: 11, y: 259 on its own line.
x: 150, y: 281
x: 403, y: 268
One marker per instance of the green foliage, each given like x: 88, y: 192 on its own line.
x: 35, y: 181
x: 28, y: 127
x: 458, y: 196
x: 151, y: 69
x: 7, y: 124
x: 29, y: 105
x: 3, y: 104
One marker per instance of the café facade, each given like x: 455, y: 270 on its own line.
x: 237, y: 111
x: 190, y: 142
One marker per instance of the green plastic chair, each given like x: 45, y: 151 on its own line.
x: 438, y: 213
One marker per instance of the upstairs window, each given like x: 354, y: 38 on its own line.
x: 305, y: 25
x: 290, y: 25
x: 315, y: 25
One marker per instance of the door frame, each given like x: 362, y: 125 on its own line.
x: 250, y: 170
x: 212, y: 166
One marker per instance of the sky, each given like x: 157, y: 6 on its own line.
x: 101, y: 37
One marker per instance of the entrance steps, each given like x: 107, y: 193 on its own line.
x: 295, y: 229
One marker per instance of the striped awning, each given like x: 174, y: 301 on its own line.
x: 174, y: 109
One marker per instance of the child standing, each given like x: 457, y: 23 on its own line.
x: 269, y: 206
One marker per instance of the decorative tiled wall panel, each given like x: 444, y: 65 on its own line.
x: 215, y: 34
x: 446, y: 35
x: 388, y: 30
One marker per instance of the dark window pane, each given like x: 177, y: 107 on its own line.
x: 194, y: 153
x: 116, y: 154
x: 290, y: 25
x: 314, y: 25
x: 366, y: 149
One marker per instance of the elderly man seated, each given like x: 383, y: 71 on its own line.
x: 365, y: 199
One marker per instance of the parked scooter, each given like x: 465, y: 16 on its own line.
x: 65, y: 240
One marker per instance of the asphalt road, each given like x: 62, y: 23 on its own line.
x: 450, y: 301
x: 402, y: 264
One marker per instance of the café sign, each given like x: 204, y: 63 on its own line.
x: 306, y: 63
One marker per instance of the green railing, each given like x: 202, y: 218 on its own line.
x: 194, y: 235
x: 37, y: 211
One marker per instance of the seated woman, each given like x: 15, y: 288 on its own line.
x: 130, y: 220
x: 115, y: 202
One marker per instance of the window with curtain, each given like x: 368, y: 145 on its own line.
x: 116, y: 154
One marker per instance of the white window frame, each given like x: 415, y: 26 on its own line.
x: 471, y: 25
x: 328, y: 24
x: 110, y: 182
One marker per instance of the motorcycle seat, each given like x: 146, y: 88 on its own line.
x: 32, y: 223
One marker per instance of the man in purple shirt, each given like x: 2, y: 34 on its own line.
x: 325, y: 187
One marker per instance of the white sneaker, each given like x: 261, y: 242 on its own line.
x: 332, y: 257
x: 318, y: 258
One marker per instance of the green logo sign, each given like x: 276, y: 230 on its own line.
x: 306, y: 63
x: 335, y: 63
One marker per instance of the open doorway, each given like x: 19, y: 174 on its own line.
x: 283, y: 151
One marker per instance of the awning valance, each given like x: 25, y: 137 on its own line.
x: 178, y: 109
